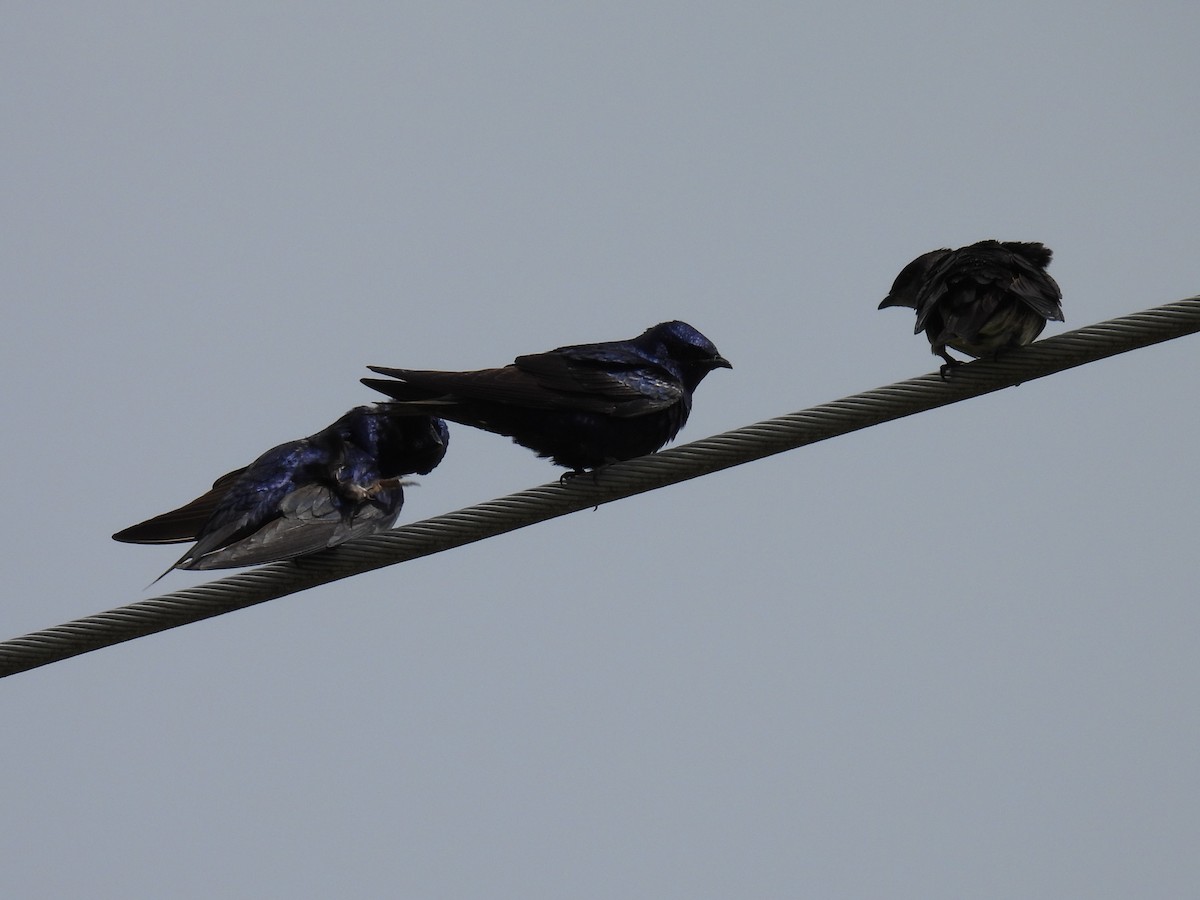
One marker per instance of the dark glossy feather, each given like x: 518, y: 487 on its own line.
x: 305, y: 495
x: 183, y: 524
x: 583, y: 405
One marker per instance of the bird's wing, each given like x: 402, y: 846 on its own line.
x: 253, y: 499
x: 1033, y: 284
x: 182, y: 524
x: 310, y: 520
x: 977, y: 277
x: 603, y: 378
x: 589, y: 379
x: 927, y: 301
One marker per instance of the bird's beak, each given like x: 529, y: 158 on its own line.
x: 886, y: 302
x: 720, y: 362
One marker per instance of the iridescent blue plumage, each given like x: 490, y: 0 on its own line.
x: 345, y: 481
x: 583, y: 405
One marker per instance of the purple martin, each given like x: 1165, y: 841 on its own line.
x: 303, y: 496
x: 583, y: 406
x: 979, y: 299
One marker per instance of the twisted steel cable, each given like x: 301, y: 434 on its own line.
x: 722, y: 451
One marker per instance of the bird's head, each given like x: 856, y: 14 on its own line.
x: 416, y: 444
x: 907, y: 286
x: 402, y: 444
x: 695, y: 354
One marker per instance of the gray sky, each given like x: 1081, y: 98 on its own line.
x: 950, y: 656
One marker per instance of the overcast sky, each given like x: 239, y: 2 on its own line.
x: 950, y: 656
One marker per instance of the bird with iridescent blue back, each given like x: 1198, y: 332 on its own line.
x: 343, y: 482
x: 979, y: 299
x: 583, y: 405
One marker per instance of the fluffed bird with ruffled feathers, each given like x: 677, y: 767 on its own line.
x: 980, y: 299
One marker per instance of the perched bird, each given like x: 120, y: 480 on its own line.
x: 979, y: 299
x: 583, y: 406
x: 340, y: 483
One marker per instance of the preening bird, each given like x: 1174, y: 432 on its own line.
x: 583, y: 406
x: 343, y: 482
x: 979, y: 299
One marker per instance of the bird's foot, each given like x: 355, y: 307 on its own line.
x: 566, y: 477
x: 948, y: 366
x: 386, y: 484
x: 357, y: 492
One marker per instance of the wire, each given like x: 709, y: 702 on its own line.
x: 615, y: 482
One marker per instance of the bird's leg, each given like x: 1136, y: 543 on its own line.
x: 950, y: 363
x: 357, y: 492
x: 385, y: 484
x: 575, y: 473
